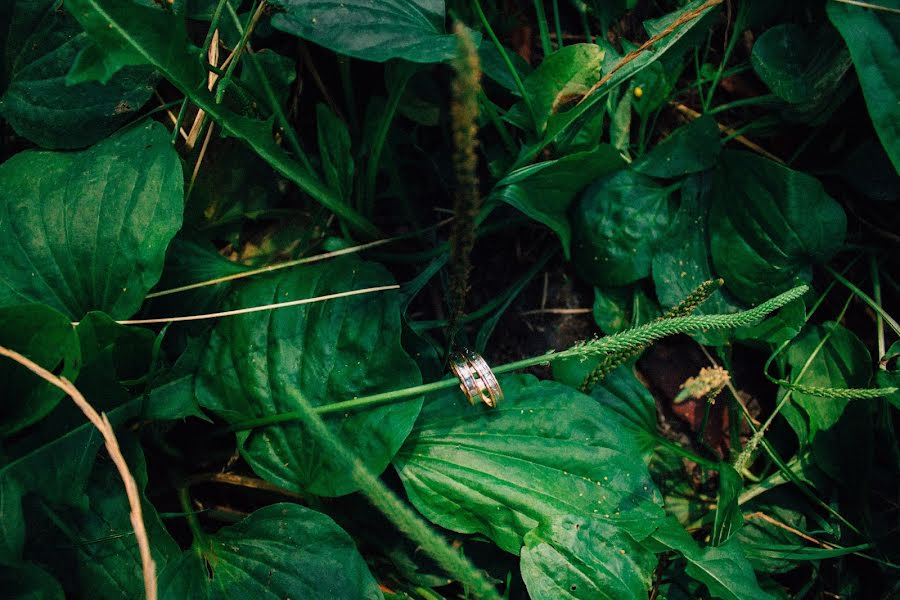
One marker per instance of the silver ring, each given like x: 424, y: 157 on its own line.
x: 476, y: 380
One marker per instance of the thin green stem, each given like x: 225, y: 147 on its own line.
x: 685, y: 453
x: 238, y: 50
x: 182, y: 113
x: 490, y: 111
x: 543, y: 28
x: 557, y: 24
x: 190, y: 515
x: 729, y: 48
x: 879, y: 319
x: 612, y: 344
x: 876, y: 306
x: 213, y: 25
x: 384, y: 126
x: 752, y: 101
x: 506, y: 60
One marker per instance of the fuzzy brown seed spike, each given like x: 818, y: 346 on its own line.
x: 466, y: 200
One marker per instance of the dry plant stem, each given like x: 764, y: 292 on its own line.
x: 869, y: 5
x: 101, y: 422
x: 685, y: 18
x: 466, y: 200
x: 693, y: 114
x: 252, y: 309
x: 764, y: 517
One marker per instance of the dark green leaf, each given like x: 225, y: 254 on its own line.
x: 873, y: 37
x: 628, y: 406
x: 616, y: 225
x: 493, y: 66
x: 691, y: 148
x: 546, y: 190
x: 376, y: 30
x: 760, y: 537
x: 46, y: 337
x: 762, y: 238
x: 335, y: 151
x: 560, y: 81
x: 681, y: 262
x: 98, y: 540
x: 280, y: 551
x: 723, y: 569
x: 582, y: 557
x: 27, y: 581
x: 803, y: 68
x: 280, y: 71
x: 256, y: 364
x: 40, y: 105
x: 119, y: 204
x: 618, y: 309
x: 546, y: 451
x: 728, y: 517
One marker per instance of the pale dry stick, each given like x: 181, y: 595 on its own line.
x: 252, y: 309
x: 202, y: 154
x: 797, y: 532
x: 171, y: 115
x: 101, y: 422
x: 870, y: 5
x: 279, y: 266
x: 686, y: 17
x: 693, y: 114
x: 213, y: 56
x: 557, y: 311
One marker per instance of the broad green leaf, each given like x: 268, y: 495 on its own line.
x: 560, y: 81
x: 46, y: 337
x: 579, y: 557
x: 98, y: 540
x: 728, y: 517
x: 842, y: 362
x: 616, y: 225
x: 376, y: 30
x: 628, y: 406
x: 88, y: 230
x: 681, y: 261
x: 873, y: 37
x: 121, y: 351
x: 257, y: 364
x: 335, y: 151
x: 27, y: 581
x: 40, y: 105
x: 131, y: 34
x: 546, y: 451
x: 762, y: 238
x: 723, y: 569
x: 691, y: 148
x: 545, y: 191
x: 839, y: 429
x: 618, y: 309
x: 803, y: 68
x: 280, y: 551
x: 280, y: 71
x: 493, y: 67
x: 557, y: 124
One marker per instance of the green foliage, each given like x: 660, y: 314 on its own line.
x: 761, y: 237
x: 458, y: 456
x: 875, y: 65
x: 103, y: 198
x: 280, y: 551
x: 324, y: 352
x: 374, y: 30
x: 710, y: 169
x: 616, y: 226
x: 38, y: 102
x: 47, y: 338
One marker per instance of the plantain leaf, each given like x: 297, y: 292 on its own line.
x: 88, y: 230
x: 545, y: 452
x: 280, y: 551
x: 257, y: 364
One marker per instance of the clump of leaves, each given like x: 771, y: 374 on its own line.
x: 223, y: 226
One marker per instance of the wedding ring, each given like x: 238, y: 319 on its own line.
x: 476, y: 380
